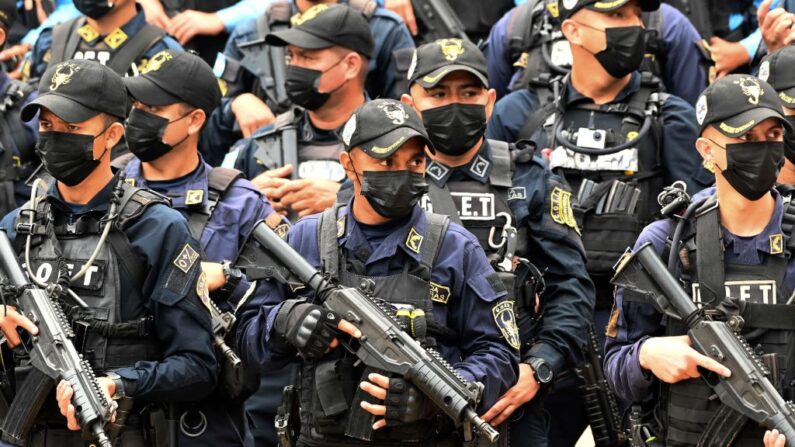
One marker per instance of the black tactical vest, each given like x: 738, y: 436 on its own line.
x: 605, y: 235
x: 13, y: 134
x: 755, y: 292
x: 103, y: 338
x: 67, y: 44
x: 329, y: 388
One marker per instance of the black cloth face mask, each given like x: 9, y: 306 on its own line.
x: 144, y: 134
x: 455, y: 128
x: 393, y: 194
x: 95, y: 9
x: 626, y: 46
x: 302, y: 86
x: 753, y: 167
x: 68, y: 157
x: 789, y: 142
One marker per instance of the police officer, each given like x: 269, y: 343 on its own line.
x: 172, y: 99
x: 382, y: 234
x: 115, y: 34
x: 477, y: 183
x: 526, y: 47
x: 329, y: 51
x: 251, y: 100
x: 614, y: 138
x: 17, y: 138
x: 776, y: 70
x: 734, y: 247
x: 157, y: 346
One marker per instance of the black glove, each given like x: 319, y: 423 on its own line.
x: 308, y: 327
x: 406, y: 404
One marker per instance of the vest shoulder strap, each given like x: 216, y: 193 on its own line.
x: 220, y: 179
x: 443, y: 202
x: 501, y: 174
x: 65, y: 40
x: 134, y: 202
x: 134, y: 48
x: 122, y: 161
x: 709, y: 253
x: 218, y: 182
x: 788, y: 224
x: 435, y: 229
x: 327, y: 241
x: 278, y: 12
x: 366, y: 7
x: 520, y: 27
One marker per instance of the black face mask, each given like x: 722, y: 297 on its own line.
x: 455, y: 128
x: 68, y: 157
x: 393, y: 194
x: 144, y: 134
x: 752, y: 168
x: 626, y: 47
x: 95, y: 9
x: 789, y: 142
x: 302, y: 84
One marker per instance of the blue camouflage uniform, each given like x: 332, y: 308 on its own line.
x: 238, y: 209
x: 40, y: 54
x: 684, y: 74
x: 480, y: 353
x: 160, y: 236
x: 633, y: 322
x: 556, y: 250
x: 391, y: 56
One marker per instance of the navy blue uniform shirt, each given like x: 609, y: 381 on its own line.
x: 40, y: 54
x: 637, y: 322
x: 480, y: 353
x: 554, y: 248
x: 679, y: 158
x: 188, y: 370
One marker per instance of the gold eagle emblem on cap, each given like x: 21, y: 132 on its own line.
x: 63, y: 75
x: 751, y: 88
x: 156, y: 62
x: 309, y: 14
x: 451, y: 48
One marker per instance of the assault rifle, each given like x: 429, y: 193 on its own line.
x: 600, y: 402
x: 437, y: 20
x: 748, y: 391
x: 53, y: 357
x: 383, y: 344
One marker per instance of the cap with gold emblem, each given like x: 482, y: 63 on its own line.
x: 172, y: 76
x: 567, y: 8
x: 776, y: 70
x: 77, y: 90
x: 324, y: 26
x: 435, y: 60
x: 736, y: 103
x: 380, y: 127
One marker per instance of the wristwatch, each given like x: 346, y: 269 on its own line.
x: 119, y: 385
x: 233, y: 277
x: 542, y: 372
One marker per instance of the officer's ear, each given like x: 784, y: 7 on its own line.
x: 409, y: 101
x: 196, y: 121
x: 347, y: 163
x: 354, y: 65
x: 490, y: 104
x: 571, y: 31
x: 114, y: 134
x: 705, y: 149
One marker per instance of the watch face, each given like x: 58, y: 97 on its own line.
x: 543, y: 372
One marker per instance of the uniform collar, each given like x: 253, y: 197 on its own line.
x: 100, y: 201
x: 573, y: 96
x: 479, y: 168
x: 117, y: 37
x: 188, y: 191
x: 408, y: 237
x: 771, y: 240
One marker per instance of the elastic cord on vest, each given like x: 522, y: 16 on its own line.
x: 564, y: 141
x: 556, y: 69
x: 677, y: 237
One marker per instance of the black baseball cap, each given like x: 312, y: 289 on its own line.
x: 567, y: 8
x: 777, y: 70
x: 78, y: 89
x: 8, y: 12
x: 736, y: 103
x: 435, y: 60
x: 380, y: 127
x: 323, y: 26
x: 172, y: 76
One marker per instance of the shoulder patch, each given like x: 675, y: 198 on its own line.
x: 414, y: 240
x: 186, y: 258
x: 439, y: 293
x: 517, y: 193
x: 505, y: 319
x: 560, y: 208
x: 776, y: 244
x: 194, y: 197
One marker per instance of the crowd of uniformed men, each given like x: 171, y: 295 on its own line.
x: 486, y: 186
